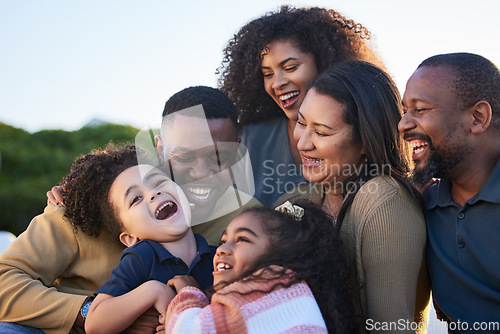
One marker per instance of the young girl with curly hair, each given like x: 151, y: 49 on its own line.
x: 266, y: 70
x: 275, y: 271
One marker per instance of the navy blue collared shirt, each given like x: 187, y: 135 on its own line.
x: 463, y: 251
x: 149, y: 260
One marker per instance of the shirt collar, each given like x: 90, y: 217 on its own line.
x: 202, y: 244
x: 440, y: 194
x: 164, y: 254
x: 489, y: 191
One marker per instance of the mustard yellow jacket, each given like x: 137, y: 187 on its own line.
x: 48, y: 271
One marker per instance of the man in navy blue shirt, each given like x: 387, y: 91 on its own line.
x: 452, y: 123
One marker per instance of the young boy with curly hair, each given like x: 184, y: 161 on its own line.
x: 107, y: 194
x: 146, y: 211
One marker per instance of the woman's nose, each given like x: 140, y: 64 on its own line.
x: 304, y: 142
x: 279, y: 81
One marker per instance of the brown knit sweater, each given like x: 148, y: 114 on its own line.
x: 384, y: 233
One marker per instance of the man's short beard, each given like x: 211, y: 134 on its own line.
x: 422, y: 176
x: 440, y: 163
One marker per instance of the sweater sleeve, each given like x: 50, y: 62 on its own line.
x: 247, y: 306
x: 392, y: 248
x: 29, y: 269
x: 190, y: 312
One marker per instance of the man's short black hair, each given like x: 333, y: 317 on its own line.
x: 216, y: 104
x: 476, y: 79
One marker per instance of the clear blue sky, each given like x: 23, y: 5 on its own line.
x: 63, y: 63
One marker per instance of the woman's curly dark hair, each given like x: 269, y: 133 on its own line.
x: 86, y: 189
x: 312, y: 249
x: 325, y: 33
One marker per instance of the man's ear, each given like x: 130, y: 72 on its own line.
x: 128, y: 239
x: 481, y: 117
x: 159, y: 151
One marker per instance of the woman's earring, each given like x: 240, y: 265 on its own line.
x: 191, y: 205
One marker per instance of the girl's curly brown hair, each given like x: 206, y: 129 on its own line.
x: 86, y: 189
x: 312, y: 248
x: 325, y: 33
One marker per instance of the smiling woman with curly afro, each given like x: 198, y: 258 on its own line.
x: 266, y: 71
x: 325, y: 33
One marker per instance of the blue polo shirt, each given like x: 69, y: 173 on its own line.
x: 463, y: 251
x: 149, y: 260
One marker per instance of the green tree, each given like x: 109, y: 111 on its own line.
x: 30, y: 164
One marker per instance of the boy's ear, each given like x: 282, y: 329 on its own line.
x: 159, y: 150
x: 128, y: 239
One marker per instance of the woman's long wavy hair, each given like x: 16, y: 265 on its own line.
x: 325, y: 33
x: 312, y: 249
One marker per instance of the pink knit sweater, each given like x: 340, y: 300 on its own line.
x: 240, y: 308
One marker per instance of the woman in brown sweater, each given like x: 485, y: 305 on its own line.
x: 352, y: 154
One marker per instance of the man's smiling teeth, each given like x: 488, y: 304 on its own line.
x: 200, y: 193
x: 223, y: 266
x: 418, y: 145
x: 287, y: 96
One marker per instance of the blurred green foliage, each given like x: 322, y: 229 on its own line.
x: 30, y: 164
